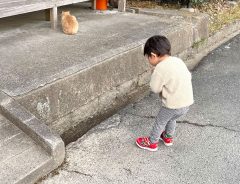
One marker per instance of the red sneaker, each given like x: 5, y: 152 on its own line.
x: 167, y: 139
x: 144, y: 143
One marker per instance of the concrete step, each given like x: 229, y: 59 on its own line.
x: 28, y: 148
x: 21, y: 159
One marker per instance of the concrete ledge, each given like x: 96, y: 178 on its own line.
x: 33, y: 127
x: 197, y: 21
x: 207, y: 45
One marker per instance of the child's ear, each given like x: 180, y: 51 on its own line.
x: 153, y: 54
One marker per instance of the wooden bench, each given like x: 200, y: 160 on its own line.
x: 16, y: 7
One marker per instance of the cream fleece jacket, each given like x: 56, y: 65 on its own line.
x: 172, y: 78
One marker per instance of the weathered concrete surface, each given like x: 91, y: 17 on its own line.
x: 198, y: 22
x: 203, y: 47
x: 207, y: 142
x: 29, y: 149
x: 64, y: 80
x: 33, y: 127
x: 57, y: 55
x: 21, y: 159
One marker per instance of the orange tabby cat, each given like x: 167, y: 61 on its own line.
x: 69, y: 23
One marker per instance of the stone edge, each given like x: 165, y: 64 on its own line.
x: 214, y: 41
x: 33, y: 127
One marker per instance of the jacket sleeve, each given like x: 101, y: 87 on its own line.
x: 157, y: 82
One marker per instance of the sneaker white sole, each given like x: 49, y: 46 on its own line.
x: 146, y: 148
x: 166, y: 144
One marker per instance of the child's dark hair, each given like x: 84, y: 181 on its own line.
x: 158, y: 45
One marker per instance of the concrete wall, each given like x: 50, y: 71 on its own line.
x: 93, y: 91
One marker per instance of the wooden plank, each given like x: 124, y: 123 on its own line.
x: 23, y: 3
x: 21, y: 8
x: 11, y: 1
x: 66, y: 2
x: 16, y: 7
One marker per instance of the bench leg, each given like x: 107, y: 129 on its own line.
x: 53, y: 18
x: 122, y: 5
x: 94, y: 4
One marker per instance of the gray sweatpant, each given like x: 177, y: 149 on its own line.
x: 166, y: 120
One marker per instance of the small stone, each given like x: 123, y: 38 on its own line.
x: 227, y: 47
x: 191, y: 10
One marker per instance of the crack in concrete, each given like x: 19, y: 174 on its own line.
x: 128, y: 171
x: 207, y: 125
x: 187, y: 122
x: 73, y: 171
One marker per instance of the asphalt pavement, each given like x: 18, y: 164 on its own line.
x: 206, y: 145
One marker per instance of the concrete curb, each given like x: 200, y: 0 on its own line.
x: 33, y: 127
x: 214, y: 41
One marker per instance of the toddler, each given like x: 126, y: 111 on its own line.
x: 172, y: 81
